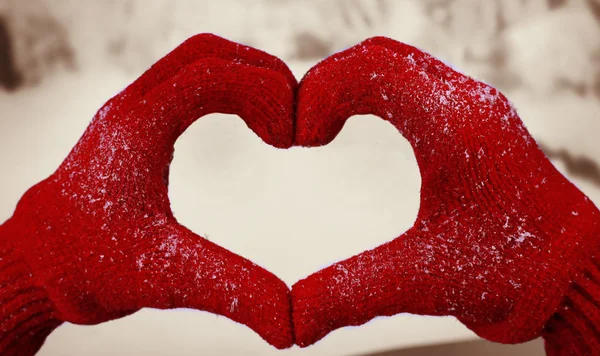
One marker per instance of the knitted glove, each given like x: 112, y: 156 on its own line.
x: 97, y: 239
x: 502, y: 240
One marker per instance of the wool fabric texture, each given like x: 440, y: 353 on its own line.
x: 97, y: 240
x: 502, y: 240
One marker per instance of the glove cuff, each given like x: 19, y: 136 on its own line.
x: 27, y: 316
x: 575, y: 328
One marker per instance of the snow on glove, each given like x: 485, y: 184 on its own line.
x: 97, y: 239
x: 502, y: 240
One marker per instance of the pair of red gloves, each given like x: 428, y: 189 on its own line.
x: 502, y: 240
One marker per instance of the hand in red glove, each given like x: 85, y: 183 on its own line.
x: 97, y: 240
x: 502, y: 240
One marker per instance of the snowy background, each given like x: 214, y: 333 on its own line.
x: 544, y: 54
x: 61, y: 59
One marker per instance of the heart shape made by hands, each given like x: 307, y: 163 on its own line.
x: 502, y: 240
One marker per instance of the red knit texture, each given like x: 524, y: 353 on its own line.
x: 97, y: 240
x: 502, y: 240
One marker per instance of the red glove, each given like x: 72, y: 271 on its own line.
x: 502, y: 240
x: 97, y: 240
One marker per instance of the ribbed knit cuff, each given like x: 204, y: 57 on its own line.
x: 575, y: 328
x: 26, y: 314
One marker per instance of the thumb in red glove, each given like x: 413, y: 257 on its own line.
x: 97, y: 239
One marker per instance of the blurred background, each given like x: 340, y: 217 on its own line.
x: 545, y: 54
x: 62, y: 58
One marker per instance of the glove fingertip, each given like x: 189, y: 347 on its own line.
x: 306, y: 313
